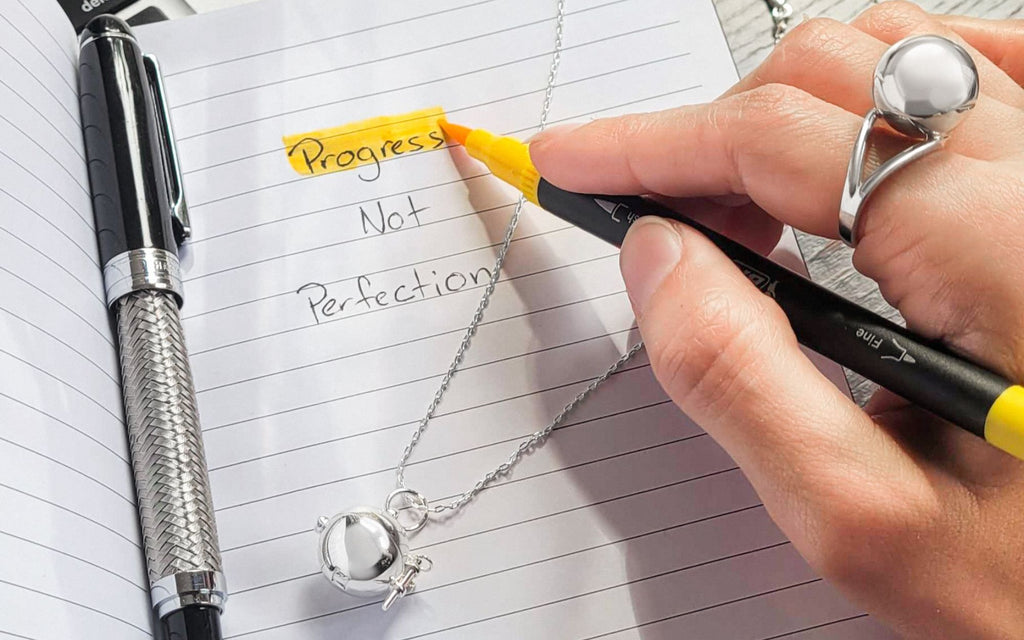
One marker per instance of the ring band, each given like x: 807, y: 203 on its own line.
x: 923, y: 87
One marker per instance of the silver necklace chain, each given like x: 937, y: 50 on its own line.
x: 782, y: 13
x: 537, y: 438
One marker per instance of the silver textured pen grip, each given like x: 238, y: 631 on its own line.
x: 175, y: 508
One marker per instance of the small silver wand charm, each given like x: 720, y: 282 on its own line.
x: 365, y: 551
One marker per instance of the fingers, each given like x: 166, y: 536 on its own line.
x: 1001, y: 41
x: 835, y: 62
x: 742, y: 221
x: 894, y: 20
x: 826, y: 58
x: 726, y: 355
x: 936, y: 236
x: 772, y: 143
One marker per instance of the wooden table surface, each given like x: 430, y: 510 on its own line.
x: 748, y: 28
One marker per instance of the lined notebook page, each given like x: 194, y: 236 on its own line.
x: 630, y: 522
x: 72, y: 566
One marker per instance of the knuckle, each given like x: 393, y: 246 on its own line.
x: 613, y: 131
x: 768, y: 104
x: 860, y: 544
x: 810, y: 41
x: 953, y: 319
x: 894, y: 16
x: 709, y: 359
x: 629, y: 127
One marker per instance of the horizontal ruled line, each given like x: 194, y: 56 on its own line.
x: 60, y: 266
x: 84, y: 357
x: 507, y: 279
x: 396, y: 56
x: 85, y: 221
x: 336, y: 207
x: 817, y: 626
x: 333, y: 37
x: 73, y: 512
x: 537, y: 519
x: 63, y: 382
x: 32, y: 75
x: 424, y: 83
x: 85, y: 435
x: 715, y: 606
x: 561, y: 600
x: 57, y: 162
x: 346, y: 241
x: 379, y: 429
x: 392, y: 345
x: 126, y: 499
x: 376, y: 199
x: 378, y: 471
x: 60, y: 303
x: 395, y: 159
x: 602, y: 545
x: 77, y: 604
x: 426, y: 187
x: 53, y: 39
x: 505, y: 483
x: 82, y: 249
x: 309, y: 406
x: 670, y: 485
x: 31, y: 42
x: 78, y: 558
x: 489, y: 103
x: 451, y: 454
x: 45, y: 119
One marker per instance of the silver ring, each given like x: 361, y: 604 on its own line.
x: 923, y: 87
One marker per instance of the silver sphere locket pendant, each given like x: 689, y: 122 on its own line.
x: 365, y: 551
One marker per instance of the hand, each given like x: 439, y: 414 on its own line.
x: 916, y: 520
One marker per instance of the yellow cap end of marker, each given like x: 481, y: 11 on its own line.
x: 507, y: 158
x: 1004, y: 424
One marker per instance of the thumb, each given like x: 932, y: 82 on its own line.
x: 725, y: 353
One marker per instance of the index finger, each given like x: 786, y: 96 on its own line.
x: 772, y: 143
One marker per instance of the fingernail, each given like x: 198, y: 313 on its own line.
x: 551, y: 132
x: 650, y: 252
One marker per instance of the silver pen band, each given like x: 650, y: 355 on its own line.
x: 171, y: 480
x: 141, y: 270
x: 188, y: 588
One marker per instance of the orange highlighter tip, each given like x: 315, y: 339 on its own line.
x: 456, y: 132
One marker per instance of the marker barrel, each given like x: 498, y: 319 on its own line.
x: 924, y: 372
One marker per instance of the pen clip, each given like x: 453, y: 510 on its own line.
x: 172, y: 169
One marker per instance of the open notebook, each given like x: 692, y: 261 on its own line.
x: 629, y: 523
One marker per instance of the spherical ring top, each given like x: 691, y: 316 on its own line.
x: 925, y: 84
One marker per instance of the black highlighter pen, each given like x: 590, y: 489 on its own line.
x: 140, y: 217
x: 924, y: 372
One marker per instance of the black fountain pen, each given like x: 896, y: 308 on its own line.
x: 141, y: 218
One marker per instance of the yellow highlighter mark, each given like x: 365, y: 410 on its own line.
x: 365, y: 143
